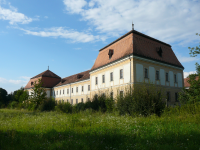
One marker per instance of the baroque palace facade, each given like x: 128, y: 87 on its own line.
x: 131, y: 59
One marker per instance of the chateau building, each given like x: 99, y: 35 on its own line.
x: 131, y: 59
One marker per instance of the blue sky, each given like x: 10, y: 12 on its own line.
x: 67, y: 34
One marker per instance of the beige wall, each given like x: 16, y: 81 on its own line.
x: 137, y: 66
x: 85, y: 94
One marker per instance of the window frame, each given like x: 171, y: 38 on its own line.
x: 175, y: 78
x: 82, y: 88
x: 111, y: 76
x: 146, y: 73
x: 77, y: 89
x: 167, y: 77
x: 157, y: 75
x: 121, y: 73
x: 168, y: 96
x: 96, y: 80
x: 103, y: 78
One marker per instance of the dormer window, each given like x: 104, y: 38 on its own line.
x: 159, y: 51
x: 31, y: 83
x: 110, y: 53
x: 79, y: 76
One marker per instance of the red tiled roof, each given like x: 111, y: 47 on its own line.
x: 47, y: 73
x: 75, y: 78
x: 186, y: 84
x: 48, y: 78
x: 137, y: 44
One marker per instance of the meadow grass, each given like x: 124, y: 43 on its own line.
x: 26, y: 130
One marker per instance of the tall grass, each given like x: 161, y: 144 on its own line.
x: 88, y: 130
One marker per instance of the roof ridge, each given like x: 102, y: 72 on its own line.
x: 137, y: 32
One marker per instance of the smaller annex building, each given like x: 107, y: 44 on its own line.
x: 132, y: 59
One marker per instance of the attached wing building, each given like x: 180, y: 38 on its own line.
x: 131, y: 59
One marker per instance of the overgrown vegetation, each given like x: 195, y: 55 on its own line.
x: 141, y: 100
x: 176, y: 128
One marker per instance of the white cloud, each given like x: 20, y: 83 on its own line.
x: 186, y: 74
x: 169, y: 21
x: 13, y: 16
x: 74, y: 6
x: 61, y: 32
x: 183, y: 59
x: 21, y: 82
x: 46, y: 17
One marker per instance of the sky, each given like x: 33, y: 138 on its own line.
x: 66, y: 35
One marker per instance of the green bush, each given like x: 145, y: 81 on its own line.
x: 13, y: 104
x: 64, y: 107
x: 47, y: 105
x: 141, y: 100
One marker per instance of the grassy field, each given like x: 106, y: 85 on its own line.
x: 25, y: 130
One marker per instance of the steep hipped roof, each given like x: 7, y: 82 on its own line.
x: 137, y: 44
x: 48, y: 78
x: 47, y: 73
x: 75, y: 78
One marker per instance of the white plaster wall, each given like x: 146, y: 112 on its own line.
x: 93, y: 83
x: 139, y: 73
x: 152, y: 74
x: 85, y: 88
x: 107, y: 78
x: 116, y: 76
x: 99, y: 80
x: 162, y: 77
x: 171, y: 78
x: 79, y: 89
x: 127, y: 73
x: 180, y: 80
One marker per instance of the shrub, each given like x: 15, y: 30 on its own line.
x: 47, y: 105
x: 13, y: 104
x: 141, y: 100
x: 64, y: 107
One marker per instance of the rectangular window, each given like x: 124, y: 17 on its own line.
x: 81, y: 100
x: 121, y: 73
x: 111, y: 95
x: 157, y: 75
x: 72, y: 90
x: 111, y: 76
x: 82, y: 88
x: 60, y: 92
x: 71, y: 101
x: 76, y: 101
x: 57, y: 92
x: 96, y: 81
x: 67, y: 91
x: 88, y: 99
x: 145, y: 72
x: 167, y: 77
x: 88, y: 87
x: 76, y: 89
x: 121, y: 94
x: 168, y: 96
x: 67, y: 100
x: 103, y: 78
x: 63, y: 91
x: 176, y: 97
x: 175, y: 79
